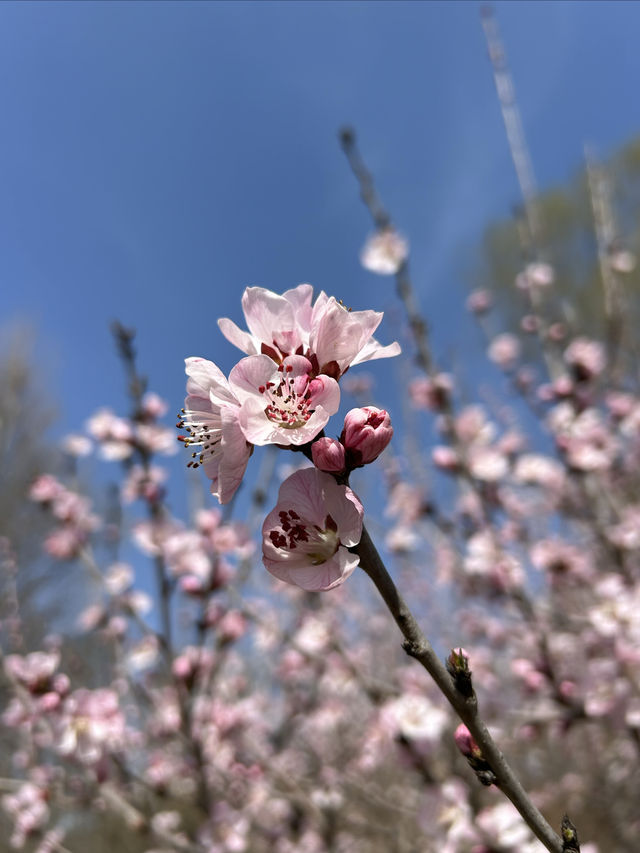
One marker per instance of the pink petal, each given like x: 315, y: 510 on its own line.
x: 202, y: 375
x: 266, y: 312
x: 234, y: 334
x: 373, y: 350
x: 250, y: 374
x: 236, y: 453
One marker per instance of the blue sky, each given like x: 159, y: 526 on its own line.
x: 156, y: 158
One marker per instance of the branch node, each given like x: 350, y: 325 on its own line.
x: 570, y: 842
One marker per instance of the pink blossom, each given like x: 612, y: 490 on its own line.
x: 306, y: 536
x: 153, y: 406
x: 504, y: 350
x: 92, y: 724
x: 143, y: 483
x: 445, y: 458
x: 535, y: 275
x: 340, y: 338
x: 431, y: 392
x: 114, y: 434
x: 29, y: 810
x: 211, y: 420
x: 384, y: 252
x: 77, y: 445
x: 473, y: 427
x: 479, y: 301
x: 586, y: 357
x: 538, y: 470
x: 326, y: 333
x: 155, y: 438
x: 282, y: 404
x: 622, y: 260
x: 366, y: 433
x: 328, y: 455
x: 232, y: 626
x: 45, y: 489
x: 415, y: 717
x: 65, y: 543
x: 530, y: 324
x: 118, y: 578
x: 487, y: 464
x: 34, y: 671
x: 560, y: 559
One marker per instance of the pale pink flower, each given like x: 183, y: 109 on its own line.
x: 530, y: 324
x: 586, y: 357
x: 65, y: 543
x: 77, y: 445
x: 366, y: 433
x: 340, y: 338
x: 414, y: 717
x: 118, y: 578
x: 487, y: 464
x: 45, y: 489
x: 114, y: 434
x: 485, y: 560
x: 620, y: 404
x: 473, y: 427
x: 560, y: 559
x: 431, y: 392
x: 538, y: 470
x: 326, y: 333
x: 144, y: 654
x: 156, y: 438
x: 92, y: 724
x: 143, y: 483
x: 210, y: 417
x: 535, y: 275
x: 306, y: 536
x: 626, y: 533
x: 33, y: 671
x: 479, y: 301
x: 29, y: 810
x: 445, y: 458
x: 504, y: 350
x: 282, y: 404
x: 153, y: 406
x: 622, y: 261
x: 384, y: 252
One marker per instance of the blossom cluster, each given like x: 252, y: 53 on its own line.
x: 283, y: 393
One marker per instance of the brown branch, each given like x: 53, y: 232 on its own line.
x: 417, y: 646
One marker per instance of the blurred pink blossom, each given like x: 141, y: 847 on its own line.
x: 384, y: 252
x: 586, y: 357
x: 504, y: 350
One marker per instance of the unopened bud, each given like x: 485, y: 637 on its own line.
x: 466, y: 743
x: 328, y: 455
x: 458, y: 668
x: 365, y: 435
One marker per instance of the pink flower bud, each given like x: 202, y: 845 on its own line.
x: 465, y: 742
x: 328, y: 455
x: 365, y: 434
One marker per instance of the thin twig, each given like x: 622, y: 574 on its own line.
x: 417, y: 646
